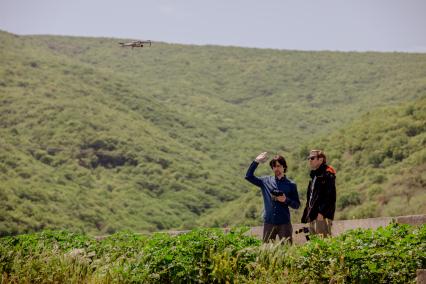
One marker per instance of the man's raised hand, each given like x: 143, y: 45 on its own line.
x: 262, y: 157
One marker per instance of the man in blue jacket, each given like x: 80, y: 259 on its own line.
x: 279, y: 193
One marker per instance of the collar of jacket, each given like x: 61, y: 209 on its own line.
x: 283, y: 178
x: 320, y: 171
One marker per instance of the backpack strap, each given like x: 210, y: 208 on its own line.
x: 331, y: 170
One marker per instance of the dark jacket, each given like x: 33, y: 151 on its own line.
x: 276, y: 213
x: 323, y: 197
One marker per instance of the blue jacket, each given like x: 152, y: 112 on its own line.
x: 276, y: 213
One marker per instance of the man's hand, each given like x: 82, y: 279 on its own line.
x: 262, y: 157
x: 320, y: 217
x: 281, y: 198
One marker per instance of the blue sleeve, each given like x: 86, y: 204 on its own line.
x: 293, y: 200
x: 250, y: 174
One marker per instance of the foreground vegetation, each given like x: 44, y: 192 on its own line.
x: 385, y: 255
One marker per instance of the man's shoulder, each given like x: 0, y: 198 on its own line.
x: 268, y: 177
x: 330, y: 176
x: 291, y: 181
x: 330, y: 170
x: 265, y: 178
x: 326, y: 171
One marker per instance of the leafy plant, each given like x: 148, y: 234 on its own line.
x: 386, y: 255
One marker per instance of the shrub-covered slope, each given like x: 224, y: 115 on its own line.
x: 380, y: 160
x: 99, y: 138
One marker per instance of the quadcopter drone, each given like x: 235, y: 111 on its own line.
x: 135, y: 43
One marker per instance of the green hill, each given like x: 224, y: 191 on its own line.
x: 99, y: 138
x: 380, y: 160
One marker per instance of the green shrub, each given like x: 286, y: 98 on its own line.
x: 386, y: 255
x: 348, y: 199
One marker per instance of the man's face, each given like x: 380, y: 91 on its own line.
x: 278, y: 169
x: 314, y: 161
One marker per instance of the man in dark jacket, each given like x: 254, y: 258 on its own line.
x: 321, y: 195
x: 278, y: 194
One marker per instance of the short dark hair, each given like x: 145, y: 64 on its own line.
x: 320, y: 154
x: 280, y: 159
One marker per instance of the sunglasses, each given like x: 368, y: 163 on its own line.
x: 312, y: 158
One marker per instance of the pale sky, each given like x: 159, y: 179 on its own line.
x: 345, y: 25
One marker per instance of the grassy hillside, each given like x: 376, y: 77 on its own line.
x: 380, y: 160
x: 99, y: 138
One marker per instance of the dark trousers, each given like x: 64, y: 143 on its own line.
x: 270, y: 232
